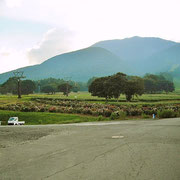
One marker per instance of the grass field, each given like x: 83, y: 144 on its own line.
x: 144, y: 99
x: 58, y: 118
x: 45, y: 117
x: 177, y: 83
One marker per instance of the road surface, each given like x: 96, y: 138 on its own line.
x: 125, y: 150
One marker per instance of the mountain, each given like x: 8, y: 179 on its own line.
x: 166, y: 60
x: 135, y: 48
x: 175, y: 70
x: 79, y: 65
x: 141, y: 52
x: 135, y: 56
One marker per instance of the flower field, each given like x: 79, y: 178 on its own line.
x: 70, y: 106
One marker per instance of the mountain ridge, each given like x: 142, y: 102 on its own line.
x: 134, y: 56
x: 143, y: 56
x: 80, y: 65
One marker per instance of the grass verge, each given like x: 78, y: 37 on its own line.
x: 35, y: 118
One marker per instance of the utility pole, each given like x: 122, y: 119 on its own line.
x: 39, y: 87
x: 67, y: 79
x: 19, y: 76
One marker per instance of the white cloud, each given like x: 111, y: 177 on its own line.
x: 13, y: 3
x: 2, y: 4
x: 54, y: 42
x: 104, y: 19
x: 90, y: 20
x: 11, y: 59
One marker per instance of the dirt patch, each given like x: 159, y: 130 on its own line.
x: 15, y: 135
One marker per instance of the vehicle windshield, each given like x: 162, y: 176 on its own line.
x: 11, y: 119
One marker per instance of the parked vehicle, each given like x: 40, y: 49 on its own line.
x: 14, y: 121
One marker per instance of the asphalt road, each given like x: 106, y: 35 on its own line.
x: 126, y: 150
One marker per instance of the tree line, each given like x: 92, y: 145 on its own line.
x: 11, y: 86
x: 157, y: 84
x: 107, y: 87
x: 49, y: 86
x: 115, y: 85
x: 52, y: 85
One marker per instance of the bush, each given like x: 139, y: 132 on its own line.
x: 52, y: 109
x: 100, y: 118
x: 178, y: 113
x: 114, y: 116
x: 135, y: 112
x: 145, y: 116
x: 122, y: 114
x: 167, y: 114
x: 107, y: 113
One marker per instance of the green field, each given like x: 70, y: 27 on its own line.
x: 34, y: 118
x: 171, y: 100
x: 177, y: 84
x: 85, y: 96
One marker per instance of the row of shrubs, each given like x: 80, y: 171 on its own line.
x: 95, y: 109
x: 160, y: 114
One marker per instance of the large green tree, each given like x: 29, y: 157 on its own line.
x: 90, y: 81
x: 48, y: 89
x: 27, y: 87
x: 10, y: 86
x: 65, y: 88
x: 116, y: 85
x: 98, y: 87
x: 108, y: 87
x: 134, y: 86
x: 158, y: 83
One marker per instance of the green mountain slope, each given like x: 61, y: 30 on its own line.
x: 139, y: 52
x: 166, y: 60
x: 79, y: 65
x: 135, y: 48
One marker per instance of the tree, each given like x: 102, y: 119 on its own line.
x: 65, y: 88
x: 116, y: 85
x: 10, y: 86
x: 75, y: 87
x: 169, y: 87
x: 158, y: 83
x: 149, y: 86
x: 48, y: 89
x: 134, y: 86
x: 90, y: 81
x: 168, y: 76
x: 27, y: 87
x: 113, y: 86
x: 98, y: 87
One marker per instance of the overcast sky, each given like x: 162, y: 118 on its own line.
x: 32, y: 31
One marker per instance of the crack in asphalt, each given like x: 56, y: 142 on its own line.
x: 47, y: 155
x: 102, y: 154
x: 85, y: 162
x: 63, y: 170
